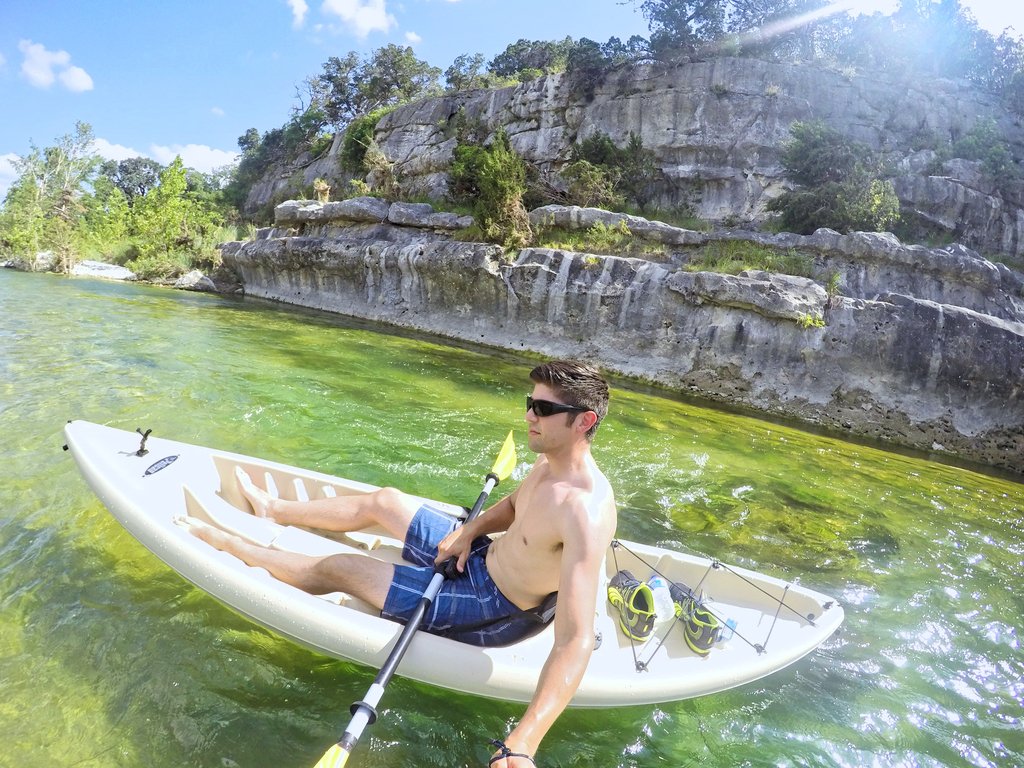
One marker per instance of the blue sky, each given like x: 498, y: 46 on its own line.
x: 160, y: 78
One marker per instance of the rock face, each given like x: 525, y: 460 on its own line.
x: 717, y: 128
x: 280, y: 181
x: 918, y: 347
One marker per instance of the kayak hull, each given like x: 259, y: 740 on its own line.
x: 157, y: 495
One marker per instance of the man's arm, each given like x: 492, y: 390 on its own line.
x: 459, y: 542
x: 582, y: 556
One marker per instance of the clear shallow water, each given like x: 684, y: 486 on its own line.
x: 108, y: 658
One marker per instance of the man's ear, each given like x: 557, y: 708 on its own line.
x: 586, y: 420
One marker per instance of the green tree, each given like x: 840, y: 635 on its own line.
x: 43, y: 206
x: 23, y: 214
x: 394, y: 75
x: 784, y: 29
x: 105, y: 222
x: 169, y: 226
x: 134, y: 176
x: 592, y: 185
x: 934, y: 38
x: 336, y: 89
x: 986, y: 144
x: 617, y: 53
x: 587, y: 64
x: 682, y: 26
x: 249, y: 142
x: 349, y: 87
x: 531, y: 58
x: 500, y: 212
x: 466, y: 73
x: 638, y: 171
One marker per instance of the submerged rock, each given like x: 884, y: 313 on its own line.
x: 195, y: 281
x: 100, y: 269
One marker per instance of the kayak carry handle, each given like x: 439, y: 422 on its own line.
x: 142, y: 446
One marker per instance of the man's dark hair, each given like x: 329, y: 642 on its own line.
x: 577, y: 383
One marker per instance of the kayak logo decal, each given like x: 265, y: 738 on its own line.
x: 165, y: 462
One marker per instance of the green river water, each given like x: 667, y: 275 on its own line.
x: 109, y: 658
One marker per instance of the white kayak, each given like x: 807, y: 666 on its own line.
x: 156, y: 494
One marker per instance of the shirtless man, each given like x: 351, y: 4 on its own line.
x: 557, y: 526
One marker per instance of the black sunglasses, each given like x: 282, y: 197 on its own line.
x: 548, y: 408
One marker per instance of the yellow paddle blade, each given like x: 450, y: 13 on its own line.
x: 506, y: 460
x: 335, y: 757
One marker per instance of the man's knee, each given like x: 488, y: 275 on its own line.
x: 394, y: 506
x: 388, y: 499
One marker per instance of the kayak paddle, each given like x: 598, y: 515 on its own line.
x: 364, y: 712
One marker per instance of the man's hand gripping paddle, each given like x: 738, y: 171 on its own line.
x: 364, y: 712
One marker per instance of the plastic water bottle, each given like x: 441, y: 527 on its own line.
x: 727, y: 632
x: 664, y: 609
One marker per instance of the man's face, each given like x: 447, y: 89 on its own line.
x: 547, y: 432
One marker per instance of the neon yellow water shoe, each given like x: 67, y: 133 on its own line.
x: 701, y: 628
x: 635, y: 602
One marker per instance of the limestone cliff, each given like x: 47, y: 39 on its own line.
x: 716, y: 128
x: 918, y: 347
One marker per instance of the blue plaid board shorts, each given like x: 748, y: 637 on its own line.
x: 470, y: 600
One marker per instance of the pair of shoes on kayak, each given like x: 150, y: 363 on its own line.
x: 635, y: 602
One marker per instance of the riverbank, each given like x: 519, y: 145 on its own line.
x: 915, y: 347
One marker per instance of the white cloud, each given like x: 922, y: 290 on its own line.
x: 76, y: 79
x: 299, y: 8
x: 39, y: 63
x: 7, y: 173
x: 412, y: 38
x: 109, y: 151
x: 197, y: 156
x: 42, y: 67
x: 217, y: 111
x: 361, y: 16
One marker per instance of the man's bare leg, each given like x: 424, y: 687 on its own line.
x: 359, y: 575
x: 387, y: 507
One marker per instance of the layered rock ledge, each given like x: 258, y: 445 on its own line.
x: 913, y: 346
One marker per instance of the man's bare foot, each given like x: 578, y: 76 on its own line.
x: 211, y: 534
x: 258, y: 499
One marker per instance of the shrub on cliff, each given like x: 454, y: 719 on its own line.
x: 358, y: 136
x: 986, y: 144
x: 840, y: 184
x: 603, y: 174
x: 493, y: 179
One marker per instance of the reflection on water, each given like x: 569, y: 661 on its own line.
x: 110, y: 659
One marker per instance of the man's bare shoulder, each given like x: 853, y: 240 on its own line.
x: 585, y: 495
x: 588, y: 505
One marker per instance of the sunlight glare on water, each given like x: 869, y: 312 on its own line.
x: 108, y: 658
